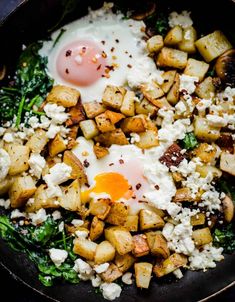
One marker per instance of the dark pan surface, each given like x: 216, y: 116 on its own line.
x: 30, y: 22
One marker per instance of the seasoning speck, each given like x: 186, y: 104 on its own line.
x: 121, y: 161
x: 138, y: 186
x: 68, y: 53
x: 86, y: 163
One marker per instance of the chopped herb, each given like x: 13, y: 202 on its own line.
x: 225, y: 237
x: 62, y: 31
x: 189, y: 141
x: 228, y: 188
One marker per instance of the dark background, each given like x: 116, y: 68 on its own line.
x: 17, y: 292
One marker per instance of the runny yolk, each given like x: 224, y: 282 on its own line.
x: 110, y: 183
x: 81, y: 63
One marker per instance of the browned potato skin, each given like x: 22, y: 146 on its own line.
x: 184, y: 194
x: 113, y: 96
x: 134, y: 124
x: 19, y: 156
x: 76, y: 115
x: 202, y: 236
x: 228, y: 209
x: 104, y: 123
x: 148, y: 139
x: 151, y: 235
x: 160, y: 248
x: 173, y: 93
x: 100, y: 207
x: 124, y: 262
x: 92, y: 109
x: 85, y: 248
x: 131, y: 223
x: 57, y: 145
x: 117, y: 214
x: 72, y: 135
x: 170, y: 264
x: 120, y: 238
x: 227, y: 163
x: 114, y: 117
x: 105, y: 252
x: 168, y: 80
x: 116, y: 137
x: 63, y: 95
x: 112, y: 273
x: 70, y: 199
x: 169, y: 57
x: 140, y: 244
x: 97, y: 228
x: 6, y: 184
x: 143, y: 272
x: 37, y: 141
x: 198, y: 219
x: 100, y: 151
x: 149, y: 220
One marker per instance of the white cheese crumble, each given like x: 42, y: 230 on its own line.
x: 127, y: 278
x: 36, y: 163
x: 96, y: 281
x: 8, y: 137
x: 58, y: 256
x: 182, y: 19
x: 56, y: 113
x: 84, y: 270
x: 110, y: 291
x: 187, y: 83
x: 135, y: 138
x: 17, y: 214
x: 39, y: 217
x: 99, y: 269
x: 56, y: 215
x: 5, y: 163
x: 5, y: 203
x: 82, y: 234
x: 77, y: 222
x: 178, y: 274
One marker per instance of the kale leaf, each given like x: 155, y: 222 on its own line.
x: 189, y: 141
x: 225, y: 238
x: 228, y: 188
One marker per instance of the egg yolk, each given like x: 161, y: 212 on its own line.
x: 81, y: 63
x: 110, y: 183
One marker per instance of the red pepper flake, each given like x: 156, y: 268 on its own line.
x: 84, y: 49
x: 138, y: 186
x: 112, y: 49
x: 142, y: 201
x: 98, y: 68
x: 157, y: 187
x: 129, y: 65
x: 104, y: 55
x: 86, y: 163
x: 121, y: 161
x: 111, y: 164
x: 87, y: 185
x: 103, y: 42
x: 130, y: 56
x: 117, y: 41
x: 68, y: 53
x: 134, y: 197
x: 67, y: 71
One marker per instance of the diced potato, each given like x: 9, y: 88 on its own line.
x: 19, y: 156
x: 174, y: 36
x: 116, y: 137
x: 213, y: 45
x: 227, y: 163
x: 21, y: 190
x: 140, y: 245
x: 195, y: 68
x: 204, y: 170
x: 114, y: 117
x: 145, y: 107
x: 105, y: 252
x: 131, y: 223
x: 174, y: 92
x: 37, y: 141
x: 97, y: 228
x: 100, y: 151
x: 168, y: 80
x: 89, y: 129
x: 206, y: 152
x: 177, y: 177
x: 76, y: 115
x: 204, y: 131
x: 57, y: 145
x: 155, y: 43
x: 63, y: 95
x: 198, y: 219
x: 185, y: 195
x: 120, y: 238
x: 160, y: 248
x: 124, y: 262
x: 118, y: 213
x: 6, y: 184
x: 150, y: 220
x: 72, y: 135
x: 113, y: 96
x: 188, y: 42
x: 84, y: 248
x: 152, y: 92
x: 92, y: 109
x: 70, y: 199
x: 50, y: 162
x: 228, y: 209
x: 169, y: 57
x: 143, y: 273
x: 78, y: 172
x: 100, y: 207
x: 148, y: 139
x: 170, y: 264
x: 134, y: 124
x: 128, y: 104
x: 205, y: 89
x: 202, y: 236
x: 112, y: 273
x: 151, y: 235
x: 104, y: 123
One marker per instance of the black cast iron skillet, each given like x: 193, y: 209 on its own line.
x: 30, y: 22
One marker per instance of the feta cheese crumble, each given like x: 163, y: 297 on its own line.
x: 58, y: 256
x: 182, y: 19
x: 5, y: 163
x: 110, y: 291
x: 36, y: 163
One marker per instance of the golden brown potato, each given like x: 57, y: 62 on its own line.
x: 97, y: 228
x: 145, y: 107
x: 104, y: 123
x: 19, y: 156
x: 148, y: 139
x: 168, y: 80
x: 128, y: 104
x: 205, y: 89
x: 114, y: 117
x: 89, y: 129
x: 195, y: 68
x: 151, y: 235
x: 143, y: 273
x: 152, y: 91
x: 170, y: 264
x: 92, y: 109
x: 117, y: 214
x: 174, y: 92
x: 120, y: 238
x: 131, y: 223
x: 228, y: 209
x: 21, y: 190
x: 174, y: 36
x: 105, y: 252
x: 63, y: 95
x: 169, y: 57
x: 206, y: 152
x: 100, y: 207
x: 57, y: 145
x: 202, y: 236
x: 112, y: 273
x: 198, y: 219
x: 100, y: 151
x: 140, y: 245
x: 155, y: 44
x: 150, y: 220
x: 227, y: 163
x: 76, y: 115
x: 72, y: 135
x: 37, y: 141
x: 185, y: 195
x: 188, y: 42
x: 134, y: 124
x: 124, y: 262
x: 70, y: 199
x: 113, y: 96
x: 160, y: 248
x: 203, y: 170
x: 204, y: 131
x: 84, y: 248
x: 116, y: 137
x: 5, y: 184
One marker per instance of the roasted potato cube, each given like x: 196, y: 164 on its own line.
x: 63, y: 95
x: 128, y: 104
x: 206, y: 152
x: 78, y: 172
x: 174, y: 92
x: 97, y: 228
x: 37, y: 141
x: 113, y: 96
x: 143, y: 273
x: 100, y: 151
x: 195, y: 68
x: 105, y: 252
x: 213, y: 45
x: 155, y: 43
x: 104, y: 123
x: 92, y: 109
x: 57, y: 145
x: 21, y: 190
x: 198, y: 219
x: 76, y: 115
x: 168, y: 80
x: 89, y: 129
x: 170, y: 264
x: 169, y: 57
x: 202, y: 236
x: 185, y: 195
x: 145, y: 107
x: 120, y: 238
x: 116, y: 137
x: 19, y: 156
x: 174, y: 36
x: 228, y: 209
x: 112, y: 273
x: 131, y: 223
x: 100, y: 207
x: 72, y: 135
x: 151, y: 238
x: 227, y: 163
x: 188, y: 42
x: 124, y: 262
x: 5, y: 184
x: 204, y: 131
x: 140, y: 245
x: 150, y: 220
x: 148, y: 139
x: 117, y: 214
x: 114, y: 117
x: 70, y: 199
x: 160, y: 248
x: 203, y: 170
x: 152, y: 92
x: 84, y: 248
x: 135, y: 124
x: 205, y: 89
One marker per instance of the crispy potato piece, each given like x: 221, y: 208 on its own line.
x: 177, y: 177
x: 203, y: 170
x: 92, y: 109
x: 19, y: 156
x: 100, y: 207
x: 76, y: 115
x: 174, y: 92
x: 188, y: 42
x: 100, y: 151
x: 213, y: 45
x: 57, y: 145
x: 140, y: 245
x: 124, y: 262
x: 195, y: 68
x: 63, y: 95
x: 131, y: 223
x: 135, y: 124
x: 89, y: 129
x: 112, y: 273
x: 202, y: 236
x: 70, y: 199
x: 169, y: 57
x: 21, y: 190
x: 205, y: 89
x: 113, y: 96
x: 148, y: 139
x: 152, y: 92
x: 116, y: 137
x: 143, y: 273
x: 155, y: 44
x: 206, y: 152
x: 37, y: 141
x: 72, y: 135
x: 104, y: 123
x: 160, y: 248
x: 227, y: 163
x: 145, y: 107
x: 174, y: 36
x: 84, y: 248
x: 117, y: 214
x: 168, y: 80
x: 105, y: 252
x: 128, y: 104
x: 170, y: 264
x: 204, y: 131
x: 225, y: 142
x: 185, y: 195
x: 120, y: 238
x: 150, y: 220
x: 114, y: 117
x: 6, y: 184
x: 97, y: 228
x: 151, y: 235
x: 198, y: 219
x: 72, y: 160
x: 228, y: 209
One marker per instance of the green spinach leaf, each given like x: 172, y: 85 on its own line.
x: 189, y: 141
x: 225, y: 237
